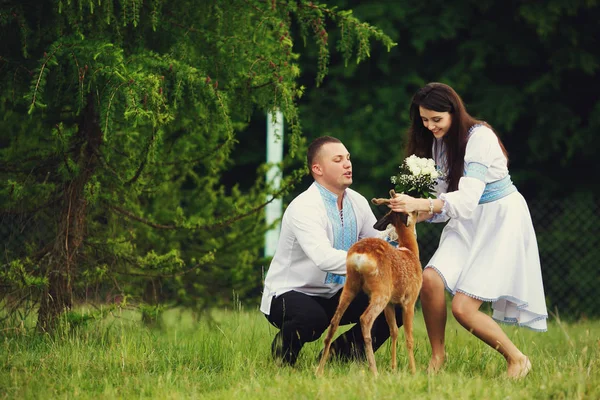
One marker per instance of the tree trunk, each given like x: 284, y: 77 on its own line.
x: 62, y: 262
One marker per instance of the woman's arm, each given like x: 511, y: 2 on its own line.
x: 408, y: 204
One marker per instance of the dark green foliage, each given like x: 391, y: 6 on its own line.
x: 530, y: 69
x: 162, y: 192
x: 119, y: 119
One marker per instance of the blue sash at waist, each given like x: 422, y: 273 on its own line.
x: 497, y: 190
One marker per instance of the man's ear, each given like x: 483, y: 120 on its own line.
x: 316, y: 169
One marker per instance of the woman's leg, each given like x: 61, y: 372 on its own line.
x: 433, y: 301
x: 466, y: 311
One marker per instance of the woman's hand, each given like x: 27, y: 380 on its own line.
x: 404, y: 203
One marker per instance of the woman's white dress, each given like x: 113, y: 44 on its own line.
x: 488, y: 249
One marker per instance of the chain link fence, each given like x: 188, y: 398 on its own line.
x: 568, y: 235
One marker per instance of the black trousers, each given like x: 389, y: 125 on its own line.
x: 302, y: 318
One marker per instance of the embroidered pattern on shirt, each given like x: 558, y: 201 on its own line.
x: 343, y: 223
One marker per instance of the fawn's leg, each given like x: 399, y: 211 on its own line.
x: 348, y: 294
x: 408, y: 313
x: 433, y: 301
x: 376, y: 306
x: 351, y: 344
x: 466, y: 311
x: 390, y: 317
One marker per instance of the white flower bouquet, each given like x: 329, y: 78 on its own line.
x: 417, y: 177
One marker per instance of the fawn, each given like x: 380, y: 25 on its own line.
x: 389, y: 276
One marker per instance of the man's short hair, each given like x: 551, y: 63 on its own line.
x: 315, y: 146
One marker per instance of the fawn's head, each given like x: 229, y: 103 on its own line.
x: 392, y: 217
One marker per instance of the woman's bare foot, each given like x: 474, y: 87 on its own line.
x: 435, y: 364
x: 519, y: 368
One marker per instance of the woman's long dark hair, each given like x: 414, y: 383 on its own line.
x: 442, y: 98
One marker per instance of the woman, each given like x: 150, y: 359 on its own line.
x: 488, y: 250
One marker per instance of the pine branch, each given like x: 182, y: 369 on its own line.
x: 147, y: 275
x: 262, y: 85
x: 202, y: 157
x: 219, y: 225
x: 144, y: 221
x: 110, y: 168
x: 142, y: 165
x: 41, y: 164
x: 37, y: 84
x: 131, y: 261
x: 110, y: 102
x: 253, y: 6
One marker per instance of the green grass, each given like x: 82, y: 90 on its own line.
x: 228, y: 357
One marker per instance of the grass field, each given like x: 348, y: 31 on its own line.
x: 227, y: 356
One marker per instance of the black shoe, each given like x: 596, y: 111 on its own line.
x: 280, y: 355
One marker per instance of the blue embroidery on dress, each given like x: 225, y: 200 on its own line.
x: 471, y: 129
x: 469, y: 133
x: 498, y: 189
x: 521, y: 305
x: 439, y: 156
x: 439, y: 152
x: 476, y: 170
x: 344, y: 226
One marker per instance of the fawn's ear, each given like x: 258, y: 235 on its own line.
x: 378, y: 202
x: 383, y: 222
x: 411, y: 218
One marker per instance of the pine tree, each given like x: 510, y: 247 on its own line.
x: 118, y: 120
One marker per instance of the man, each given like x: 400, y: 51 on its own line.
x: 306, y: 276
